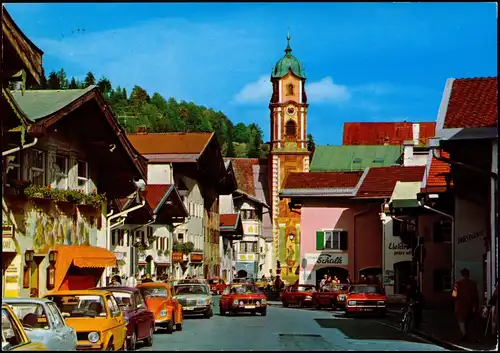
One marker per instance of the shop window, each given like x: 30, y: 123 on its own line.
x: 331, y: 239
x: 442, y: 280
x: 248, y: 247
x: 83, y: 176
x: 37, y: 169
x: 291, y: 128
x: 404, y: 229
x: 13, y: 170
x: 442, y: 231
x: 61, y: 172
x: 180, y: 238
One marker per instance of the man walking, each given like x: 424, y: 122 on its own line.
x: 466, y: 298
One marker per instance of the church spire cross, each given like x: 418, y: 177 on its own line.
x: 288, y: 49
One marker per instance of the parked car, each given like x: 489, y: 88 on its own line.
x: 14, y: 337
x: 217, y: 286
x: 238, y: 298
x: 43, y: 323
x: 298, y: 294
x: 96, y: 317
x: 366, y: 299
x: 195, y: 299
x: 333, y: 296
x: 160, y: 300
x: 140, y: 320
x: 264, y: 283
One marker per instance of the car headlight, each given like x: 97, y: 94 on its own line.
x: 352, y: 302
x: 208, y: 302
x: 235, y: 302
x: 380, y: 302
x: 257, y: 303
x: 94, y: 337
x: 308, y: 297
x: 263, y: 301
x: 341, y: 297
x: 163, y: 313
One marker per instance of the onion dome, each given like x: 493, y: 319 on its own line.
x: 288, y: 63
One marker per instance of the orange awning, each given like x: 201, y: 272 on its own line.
x: 84, y: 256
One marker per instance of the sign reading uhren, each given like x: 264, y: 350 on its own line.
x: 327, y: 259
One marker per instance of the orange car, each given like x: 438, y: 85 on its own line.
x: 160, y: 300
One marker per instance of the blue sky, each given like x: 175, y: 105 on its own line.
x: 364, y: 61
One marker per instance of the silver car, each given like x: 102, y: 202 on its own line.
x: 195, y: 299
x: 43, y: 323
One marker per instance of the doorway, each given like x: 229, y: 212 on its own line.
x: 242, y: 274
x: 339, y: 272
x: 402, y: 274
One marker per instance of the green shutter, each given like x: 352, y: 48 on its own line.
x: 320, y: 240
x: 282, y: 245
x: 297, y: 246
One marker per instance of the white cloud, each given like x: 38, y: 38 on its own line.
x: 322, y: 91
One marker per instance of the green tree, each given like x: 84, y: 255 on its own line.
x: 310, y: 143
x: 63, y: 79
x: 73, y: 84
x: 241, y: 133
x: 105, y: 87
x: 139, y: 96
x: 53, y: 81
x: 89, y: 79
x: 254, y: 147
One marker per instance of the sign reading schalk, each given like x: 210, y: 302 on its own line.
x: 470, y: 237
x: 331, y: 259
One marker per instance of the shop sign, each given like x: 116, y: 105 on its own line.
x: 469, y: 237
x: 8, y: 245
x: 196, y: 258
x: 399, y: 249
x: 7, y: 230
x: 177, y: 257
x: 328, y: 259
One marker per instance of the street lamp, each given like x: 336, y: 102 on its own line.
x: 291, y: 237
x: 53, y: 257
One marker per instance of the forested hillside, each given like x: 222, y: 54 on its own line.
x: 139, y: 108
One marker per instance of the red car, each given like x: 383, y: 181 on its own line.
x: 241, y: 298
x: 217, y: 286
x: 140, y: 320
x: 365, y: 299
x: 333, y: 296
x: 298, y: 294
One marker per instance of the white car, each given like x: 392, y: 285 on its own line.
x: 43, y: 323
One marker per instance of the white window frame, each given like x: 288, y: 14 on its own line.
x: 36, y: 169
x: 85, y: 188
x: 333, y: 232
x: 64, y: 175
x: 14, y: 165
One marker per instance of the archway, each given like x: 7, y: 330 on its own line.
x: 372, y: 274
x: 149, y: 265
x: 333, y: 271
x: 402, y: 274
x: 242, y: 274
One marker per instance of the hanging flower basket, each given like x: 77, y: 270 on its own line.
x: 93, y: 199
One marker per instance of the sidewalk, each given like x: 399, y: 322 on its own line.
x: 440, y: 327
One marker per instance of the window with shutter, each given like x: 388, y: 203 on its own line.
x: 320, y: 240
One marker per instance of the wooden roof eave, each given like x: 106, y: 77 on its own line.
x: 29, y: 54
x: 23, y: 118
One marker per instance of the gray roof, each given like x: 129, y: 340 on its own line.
x: 38, y: 104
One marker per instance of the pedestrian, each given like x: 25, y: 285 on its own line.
x: 131, y: 281
x: 349, y: 279
x: 165, y: 278
x: 328, y: 280
x: 466, y: 297
x: 153, y: 278
x: 335, y: 280
x: 323, y: 281
x: 413, y: 296
x: 148, y: 279
x: 362, y: 280
x: 493, y: 304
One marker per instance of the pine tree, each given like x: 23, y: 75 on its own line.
x: 63, y: 79
x: 53, y: 81
x: 73, y: 84
x: 89, y: 79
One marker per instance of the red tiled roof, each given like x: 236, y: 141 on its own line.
x: 396, y: 133
x: 437, y: 171
x: 380, y: 182
x: 170, y: 142
x: 154, y: 193
x: 243, y: 171
x: 322, y: 180
x: 473, y: 103
x: 228, y: 219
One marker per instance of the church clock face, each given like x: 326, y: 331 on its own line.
x: 291, y: 111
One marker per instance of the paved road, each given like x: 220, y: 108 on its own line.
x: 286, y: 329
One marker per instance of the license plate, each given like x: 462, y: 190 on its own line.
x: 249, y: 306
x: 188, y: 308
x: 366, y: 309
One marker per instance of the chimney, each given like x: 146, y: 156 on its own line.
x: 408, y: 153
x: 416, y: 134
x: 141, y: 129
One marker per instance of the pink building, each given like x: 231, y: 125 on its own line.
x: 340, y: 219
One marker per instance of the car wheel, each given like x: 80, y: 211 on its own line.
x: 124, y: 346
x: 178, y: 327
x: 300, y: 304
x: 148, y: 341
x: 334, y: 306
x: 318, y: 306
x: 111, y: 346
x: 132, y: 342
x: 170, y: 325
x: 285, y: 304
x: 264, y: 313
x: 208, y: 314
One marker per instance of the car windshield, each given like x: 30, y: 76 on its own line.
x: 32, y: 315
x: 154, y: 292
x: 366, y: 289
x: 84, y: 305
x: 306, y: 289
x: 190, y: 289
x: 244, y: 290
x: 124, y: 299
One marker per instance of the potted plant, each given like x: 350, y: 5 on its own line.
x: 188, y: 248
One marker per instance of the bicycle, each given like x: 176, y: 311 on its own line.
x: 406, y: 323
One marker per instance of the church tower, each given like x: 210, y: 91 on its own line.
x: 288, y: 153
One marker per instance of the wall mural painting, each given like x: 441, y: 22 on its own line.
x: 289, y: 251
